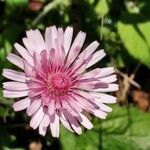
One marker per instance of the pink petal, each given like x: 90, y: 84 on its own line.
x: 97, y: 56
x: 82, y: 68
x: 44, y: 124
x: 85, y: 122
x: 88, y: 80
x: 104, y: 98
x: 109, y: 79
x: 44, y: 59
x: 37, y: 118
x: 84, y: 94
x: 29, y: 70
x: 54, y: 33
x: 51, y: 107
x: 100, y: 85
x: 68, y: 38
x: 14, y: 75
x: 103, y: 107
x: 29, y: 45
x: 91, y: 73
x: 65, y: 123
x: 84, y: 103
x: 75, y: 105
x: 74, y: 124
x: 36, y: 38
x: 36, y: 92
x: 16, y: 60
x: 111, y: 88
x: 79, y: 41
x: 76, y: 46
x: 34, y: 107
x: 95, y: 104
x: 38, y: 66
x: 65, y: 104
x: 60, y: 37
x: 79, y: 61
x: 36, y: 80
x: 17, y: 86
x: 52, y: 55
x: 58, y: 50
x: 36, y: 85
x: 88, y: 101
x: 90, y: 49
x: 54, y: 125
x: 21, y: 104
x: 73, y: 55
x: 92, y: 86
x: 48, y: 38
x: 24, y: 53
x: 85, y: 54
x: 86, y: 86
x: 61, y: 44
x: 105, y: 72
x: 100, y: 114
x: 14, y: 94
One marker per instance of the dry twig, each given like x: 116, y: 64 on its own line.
x: 126, y: 83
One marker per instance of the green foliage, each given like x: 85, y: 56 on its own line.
x: 126, y: 128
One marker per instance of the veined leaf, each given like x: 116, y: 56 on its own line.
x: 125, y: 128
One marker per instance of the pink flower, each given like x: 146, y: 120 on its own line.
x: 55, y: 84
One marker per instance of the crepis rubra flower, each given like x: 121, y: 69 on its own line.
x: 54, y: 85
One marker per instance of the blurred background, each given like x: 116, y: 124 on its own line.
x: 123, y: 29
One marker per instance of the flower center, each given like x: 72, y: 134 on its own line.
x: 58, y: 84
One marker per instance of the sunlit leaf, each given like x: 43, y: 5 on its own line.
x: 135, y: 37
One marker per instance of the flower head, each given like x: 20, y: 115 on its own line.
x: 54, y: 85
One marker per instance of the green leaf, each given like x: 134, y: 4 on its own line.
x: 135, y: 37
x: 87, y: 141
x: 118, y: 142
x: 125, y: 128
